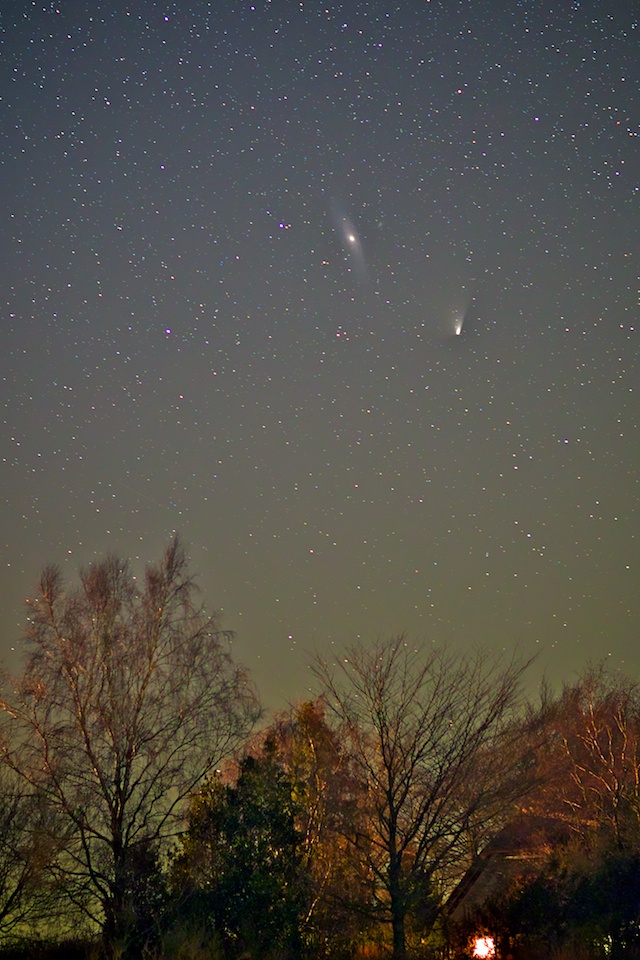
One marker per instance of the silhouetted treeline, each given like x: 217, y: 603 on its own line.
x: 417, y: 806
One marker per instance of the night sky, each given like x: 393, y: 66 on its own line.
x: 345, y: 293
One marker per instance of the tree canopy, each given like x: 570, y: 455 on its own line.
x: 435, y: 738
x: 130, y: 697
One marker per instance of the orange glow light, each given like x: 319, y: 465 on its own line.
x: 484, y: 947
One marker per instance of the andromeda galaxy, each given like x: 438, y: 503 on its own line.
x: 350, y: 240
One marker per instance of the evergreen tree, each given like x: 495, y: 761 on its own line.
x: 238, y: 869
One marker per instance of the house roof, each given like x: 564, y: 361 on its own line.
x: 518, y: 850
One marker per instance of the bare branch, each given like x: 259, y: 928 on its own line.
x: 434, y: 737
x: 129, y: 699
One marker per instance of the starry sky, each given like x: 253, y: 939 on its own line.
x: 345, y: 293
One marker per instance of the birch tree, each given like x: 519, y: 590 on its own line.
x: 130, y: 697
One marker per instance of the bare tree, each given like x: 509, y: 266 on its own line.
x: 433, y: 735
x: 129, y: 698
x: 593, y: 755
x: 26, y: 897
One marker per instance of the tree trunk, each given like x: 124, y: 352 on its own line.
x: 114, y: 935
x: 397, y: 910
x: 116, y: 930
x: 399, y: 944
